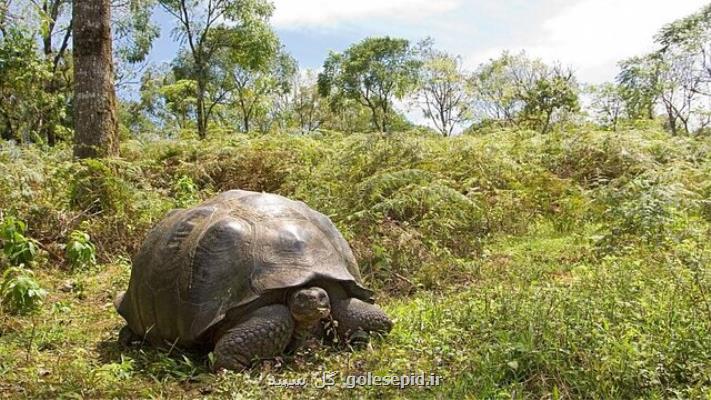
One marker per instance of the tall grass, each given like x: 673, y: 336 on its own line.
x: 570, y: 265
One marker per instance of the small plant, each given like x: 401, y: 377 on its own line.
x: 185, y: 191
x: 96, y: 187
x: 117, y: 371
x: 18, y: 248
x: 19, y: 291
x: 644, y: 212
x: 81, y: 253
x: 61, y: 308
x: 182, y: 369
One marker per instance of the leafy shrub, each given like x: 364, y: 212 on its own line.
x: 116, y: 371
x: 596, y: 158
x: 80, y: 252
x: 266, y: 164
x: 18, y: 248
x: 97, y: 188
x: 643, y: 212
x: 185, y: 192
x: 479, y: 247
x: 19, y: 291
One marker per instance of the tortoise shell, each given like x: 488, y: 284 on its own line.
x: 198, y: 264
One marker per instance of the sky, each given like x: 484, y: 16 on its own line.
x: 588, y: 35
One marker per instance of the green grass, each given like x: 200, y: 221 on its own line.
x: 512, y: 269
x: 538, y: 317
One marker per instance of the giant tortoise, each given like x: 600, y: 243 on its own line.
x: 247, y: 275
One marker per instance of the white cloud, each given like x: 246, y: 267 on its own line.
x: 330, y: 13
x: 593, y: 35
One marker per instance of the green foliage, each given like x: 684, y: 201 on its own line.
x: 116, y: 371
x: 515, y: 90
x: 97, y: 188
x: 134, y: 32
x: 373, y: 73
x: 167, y: 100
x: 234, y: 30
x: 185, y: 192
x: 607, y: 104
x: 20, y: 293
x: 514, y: 263
x: 444, y: 94
x: 640, y: 86
x: 17, y: 247
x: 81, y: 253
x: 252, y: 87
x: 23, y: 74
x: 644, y: 213
x: 675, y: 77
x: 549, y: 95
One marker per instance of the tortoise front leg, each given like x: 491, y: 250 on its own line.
x: 126, y: 337
x: 357, y: 318
x: 265, y: 334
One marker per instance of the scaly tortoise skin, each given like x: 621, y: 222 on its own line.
x: 248, y: 275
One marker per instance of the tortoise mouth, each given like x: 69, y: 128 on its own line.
x: 310, y: 304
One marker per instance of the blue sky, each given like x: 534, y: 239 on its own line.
x: 589, y: 35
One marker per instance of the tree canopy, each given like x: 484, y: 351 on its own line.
x: 374, y: 73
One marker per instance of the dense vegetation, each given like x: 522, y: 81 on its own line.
x: 556, y: 248
x: 570, y: 265
x: 230, y: 72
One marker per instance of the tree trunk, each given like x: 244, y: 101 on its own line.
x: 385, y: 122
x: 95, y: 121
x: 547, y: 123
x: 48, y: 128
x: 245, y: 121
x: 200, y: 104
x: 672, y: 121
x: 7, y: 133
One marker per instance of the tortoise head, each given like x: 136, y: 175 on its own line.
x: 309, y: 304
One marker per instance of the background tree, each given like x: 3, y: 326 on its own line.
x: 675, y: 78
x: 553, y: 98
x: 443, y: 93
x: 639, y: 86
x: 47, y: 22
x: 166, y: 100
x: 50, y: 22
x: 499, y: 87
x: 255, y: 85
x: 95, y: 119
x: 4, y: 17
x: 347, y: 115
x: 207, y: 28
x: 373, y: 73
x: 23, y: 73
x: 515, y: 90
x: 691, y: 37
x: 133, y: 36
x: 678, y: 90
x: 685, y: 72
x: 285, y: 78
x: 308, y: 110
x: 607, y: 104
x: 56, y: 20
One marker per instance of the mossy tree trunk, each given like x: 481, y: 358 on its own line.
x: 95, y: 119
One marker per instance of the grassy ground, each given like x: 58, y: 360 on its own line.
x: 513, y: 266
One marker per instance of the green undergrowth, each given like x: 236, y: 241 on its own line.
x: 515, y: 265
